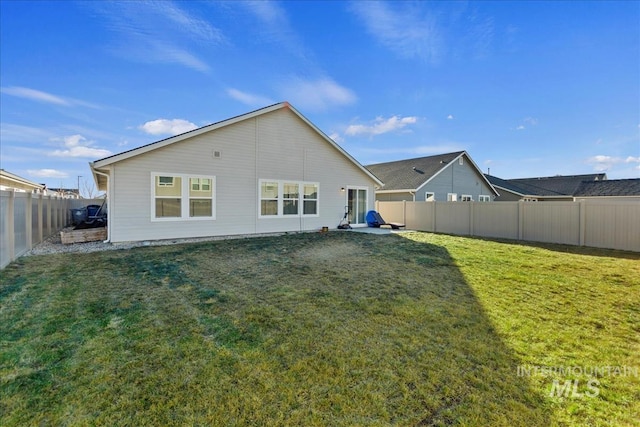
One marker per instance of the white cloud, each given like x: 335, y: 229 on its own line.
x: 47, y: 173
x: 158, y: 32
x: 381, y: 126
x: 317, y: 95
x: 167, y: 127
x: 79, y: 146
x: 336, y: 137
x: 602, y: 163
x: 40, y: 96
x: 34, y: 95
x: 407, y: 32
x: 248, y: 98
x: 450, y: 117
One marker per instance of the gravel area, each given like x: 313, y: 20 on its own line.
x: 53, y: 244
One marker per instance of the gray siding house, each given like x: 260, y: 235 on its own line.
x: 444, y: 177
x: 270, y: 170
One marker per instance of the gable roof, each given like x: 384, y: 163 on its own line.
x: 611, y: 187
x: 101, y: 163
x: 411, y: 174
x: 14, y: 181
x: 560, y: 185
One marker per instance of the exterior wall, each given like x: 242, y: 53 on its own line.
x: 395, y: 197
x: 507, y: 196
x: 276, y: 145
x: 456, y: 178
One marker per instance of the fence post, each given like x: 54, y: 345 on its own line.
x: 583, y: 223
x: 471, y: 219
x: 520, y: 220
x: 11, y: 225
x: 404, y: 211
x: 433, y: 217
x: 29, y: 221
x: 40, y: 219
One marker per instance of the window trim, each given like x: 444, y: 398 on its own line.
x: 185, y: 197
x: 466, y: 196
x: 429, y: 193
x: 280, y: 198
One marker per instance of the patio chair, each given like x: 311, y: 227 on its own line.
x: 374, y: 219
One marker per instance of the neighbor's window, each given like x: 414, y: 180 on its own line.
x: 484, y: 198
x: 282, y: 198
x: 183, y: 196
x: 168, y: 196
x: 466, y: 198
x: 452, y: 197
x: 290, y: 198
x: 269, y: 198
x: 429, y: 196
x: 310, y: 204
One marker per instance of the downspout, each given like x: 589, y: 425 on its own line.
x: 108, y: 207
x: 413, y: 194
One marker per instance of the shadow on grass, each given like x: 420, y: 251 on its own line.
x: 313, y: 329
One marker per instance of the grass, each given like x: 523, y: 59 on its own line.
x: 322, y: 329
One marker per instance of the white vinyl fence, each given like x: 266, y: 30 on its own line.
x: 26, y: 219
x: 602, y: 224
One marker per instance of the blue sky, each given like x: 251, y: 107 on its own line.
x: 527, y: 88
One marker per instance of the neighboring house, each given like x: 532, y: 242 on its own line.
x: 10, y: 181
x: 537, y: 189
x: 608, y: 190
x: 445, y: 177
x: 66, y: 193
x: 270, y: 170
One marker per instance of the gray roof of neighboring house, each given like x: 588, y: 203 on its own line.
x: 558, y: 185
x: 612, y: 187
x: 410, y: 174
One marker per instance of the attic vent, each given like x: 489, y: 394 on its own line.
x: 460, y: 161
x: 217, y: 154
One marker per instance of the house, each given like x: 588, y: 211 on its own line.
x: 549, y: 188
x: 66, y: 193
x: 609, y: 190
x: 444, y: 177
x: 10, y: 181
x: 270, y: 170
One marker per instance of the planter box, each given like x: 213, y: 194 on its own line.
x: 85, y: 235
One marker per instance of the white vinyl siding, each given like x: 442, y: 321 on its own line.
x: 282, y: 198
x: 275, y: 145
x: 182, y: 197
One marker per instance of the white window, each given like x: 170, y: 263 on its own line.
x: 180, y: 197
x: 429, y: 196
x: 452, y: 197
x: 484, y: 198
x: 290, y: 198
x: 310, y: 203
x: 283, y: 198
x: 466, y: 198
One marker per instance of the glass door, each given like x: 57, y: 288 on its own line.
x: 357, y: 204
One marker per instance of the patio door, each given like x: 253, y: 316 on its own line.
x: 357, y: 204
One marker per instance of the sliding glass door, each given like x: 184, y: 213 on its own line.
x: 357, y: 204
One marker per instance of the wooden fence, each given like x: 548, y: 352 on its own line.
x: 26, y: 219
x: 612, y: 224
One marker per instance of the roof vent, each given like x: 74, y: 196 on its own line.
x: 217, y: 154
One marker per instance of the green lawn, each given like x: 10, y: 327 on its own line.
x: 323, y: 329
